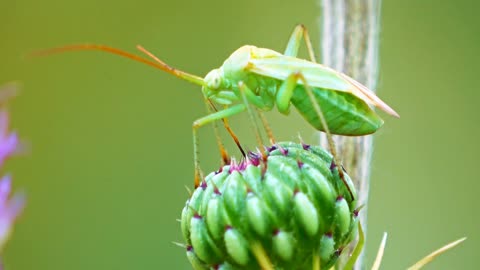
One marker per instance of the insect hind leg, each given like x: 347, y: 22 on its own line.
x: 284, y: 95
x: 293, y: 44
x: 331, y: 143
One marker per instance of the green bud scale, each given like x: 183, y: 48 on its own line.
x: 291, y: 201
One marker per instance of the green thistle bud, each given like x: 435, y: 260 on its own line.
x: 293, y: 203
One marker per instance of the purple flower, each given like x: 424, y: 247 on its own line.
x: 8, y: 140
x: 10, y: 208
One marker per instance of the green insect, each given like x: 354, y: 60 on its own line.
x: 264, y: 78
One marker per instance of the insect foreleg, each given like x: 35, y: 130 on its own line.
x: 234, y: 137
x: 223, y: 153
x: 206, y: 120
x: 226, y: 160
x: 293, y: 44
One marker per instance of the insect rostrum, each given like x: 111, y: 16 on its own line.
x: 292, y: 203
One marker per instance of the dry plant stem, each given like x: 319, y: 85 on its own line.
x: 434, y: 254
x: 349, y: 43
x: 381, y: 250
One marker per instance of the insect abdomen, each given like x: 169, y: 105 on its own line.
x: 345, y: 114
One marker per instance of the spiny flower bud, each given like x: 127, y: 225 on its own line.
x: 292, y: 202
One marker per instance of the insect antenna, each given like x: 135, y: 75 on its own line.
x: 156, y: 64
x: 176, y: 72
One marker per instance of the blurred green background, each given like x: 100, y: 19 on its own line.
x: 111, y: 143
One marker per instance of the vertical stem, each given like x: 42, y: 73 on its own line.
x: 349, y: 43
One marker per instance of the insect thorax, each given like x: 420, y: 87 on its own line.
x: 222, y: 83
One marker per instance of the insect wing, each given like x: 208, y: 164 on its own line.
x: 283, y: 66
x: 370, y: 96
x: 317, y: 75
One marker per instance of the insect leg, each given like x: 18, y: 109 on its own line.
x: 232, y: 134
x: 284, y: 94
x: 203, y: 121
x: 223, y: 152
x: 293, y: 44
x: 243, y: 90
x: 249, y: 97
x: 266, y: 126
x: 331, y: 143
x: 211, y: 109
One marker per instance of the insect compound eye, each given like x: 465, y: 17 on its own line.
x: 214, y: 80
